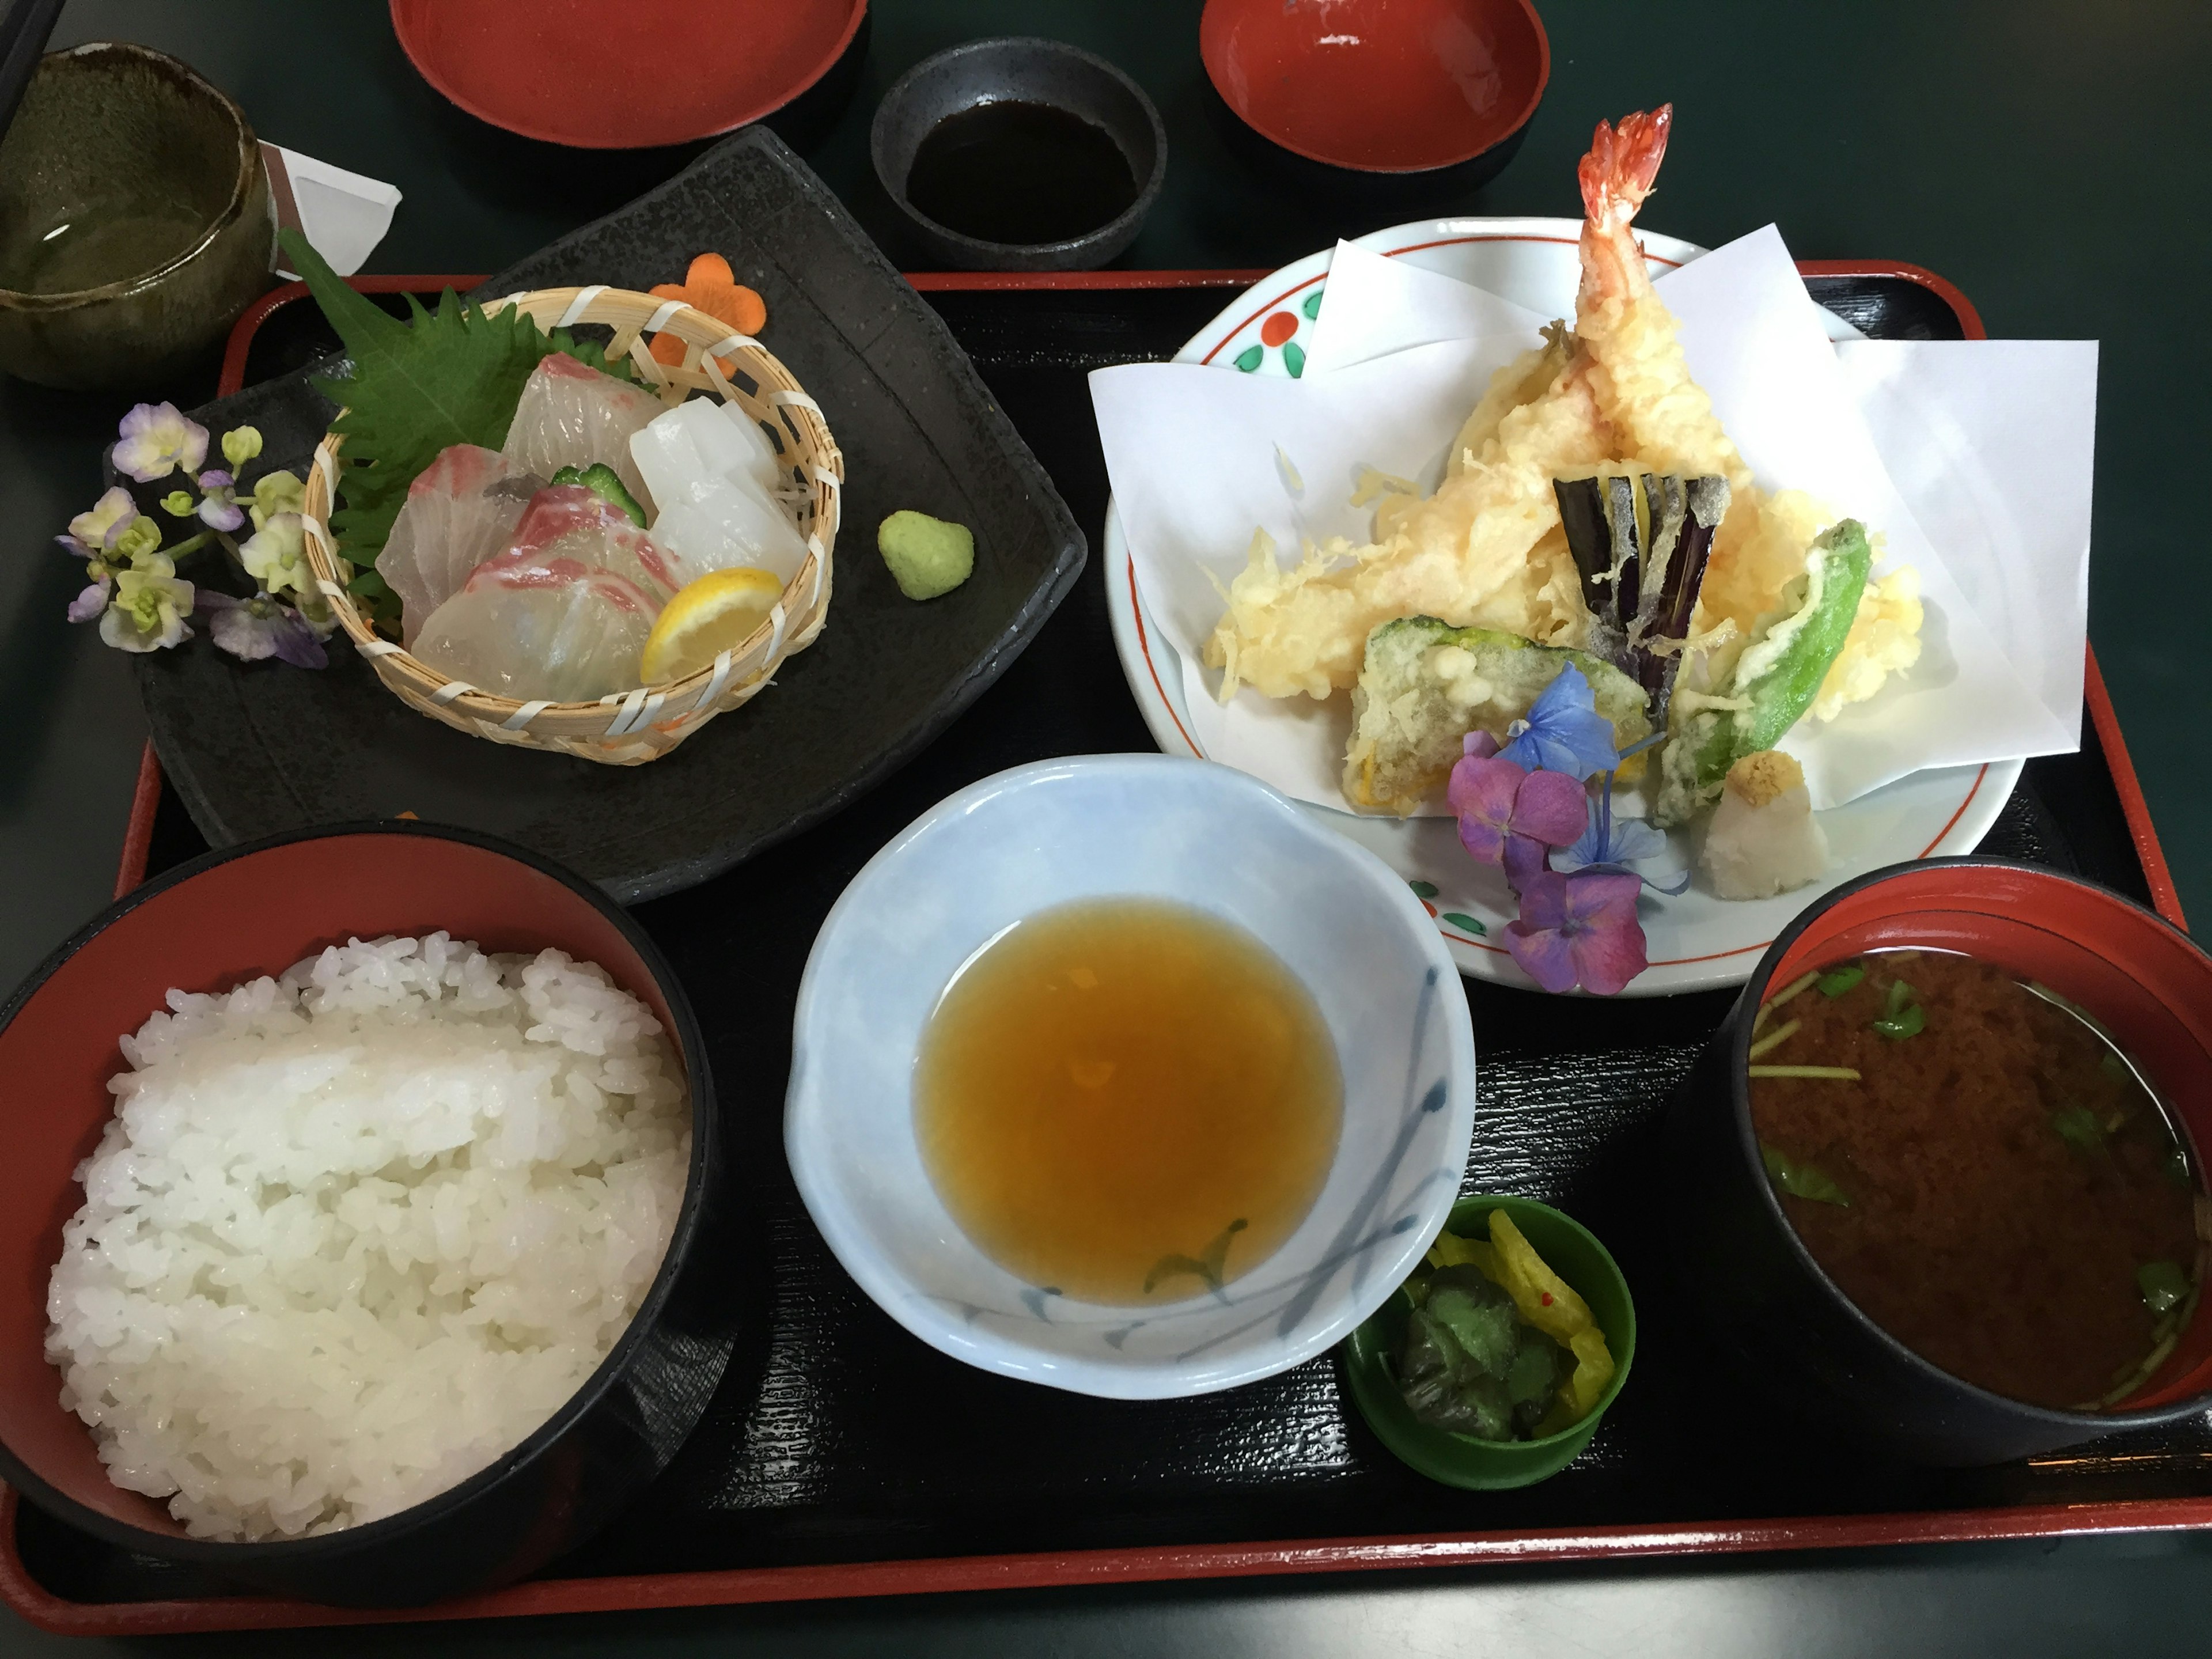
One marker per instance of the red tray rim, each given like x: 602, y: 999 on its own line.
x: 31, y: 1601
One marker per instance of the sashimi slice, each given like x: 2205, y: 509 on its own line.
x: 569, y: 521
x: 553, y: 629
x: 461, y: 510
x: 563, y: 613
x: 707, y: 435
x: 728, y: 527
x: 571, y: 415
x: 714, y: 510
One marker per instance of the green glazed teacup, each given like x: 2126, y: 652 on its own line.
x: 1370, y: 1357
x: 136, y: 220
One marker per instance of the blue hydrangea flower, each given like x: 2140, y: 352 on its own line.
x: 1612, y: 844
x: 1564, y: 731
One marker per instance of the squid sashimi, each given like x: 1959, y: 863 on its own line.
x: 461, y: 509
x: 563, y: 613
x: 712, y: 473
x: 571, y: 415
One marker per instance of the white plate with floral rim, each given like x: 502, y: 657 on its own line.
x: 1696, y: 940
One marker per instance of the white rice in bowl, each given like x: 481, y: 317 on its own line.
x: 356, y: 1232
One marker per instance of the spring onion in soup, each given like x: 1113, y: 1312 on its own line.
x: 1977, y: 1166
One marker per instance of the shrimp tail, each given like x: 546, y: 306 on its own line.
x: 1617, y: 174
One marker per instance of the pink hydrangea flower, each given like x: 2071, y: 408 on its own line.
x: 1508, y: 816
x: 1579, y: 929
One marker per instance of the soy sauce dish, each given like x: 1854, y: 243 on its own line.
x: 1121, y: 1074
x: 1942, y: 1165
x: 1020, y: 154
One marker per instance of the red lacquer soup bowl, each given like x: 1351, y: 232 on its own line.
x: 234, y: 915
x: 624, y: 73
x: 1380, y: 86
x: 1743, y: 1261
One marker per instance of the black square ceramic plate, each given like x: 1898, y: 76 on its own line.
x: 254, y: 750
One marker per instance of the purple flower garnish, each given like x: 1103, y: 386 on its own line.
x: 1579, y: 929
x: 110, y: 537
x: 219, y: 510
x: 262, y: 626
x: 1508, y: 816
x: 149, y: 607
x: 97, y: 529
x: 93, y: 600
x: 156, y: 439
x: 1564, y: 731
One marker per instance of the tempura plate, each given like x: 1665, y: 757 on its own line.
x: 1696, y: 940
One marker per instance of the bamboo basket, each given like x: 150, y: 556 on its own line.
x: 627, y: 728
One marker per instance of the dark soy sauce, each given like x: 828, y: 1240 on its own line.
x: 1020, y: 173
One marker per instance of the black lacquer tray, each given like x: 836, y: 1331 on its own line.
x: 850, y: 1459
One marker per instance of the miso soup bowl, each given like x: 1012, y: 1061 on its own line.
x: 229, y: 917
x: 1149, y: 827
x: 1738, y: 1256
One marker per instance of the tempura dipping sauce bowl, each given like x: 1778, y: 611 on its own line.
x: 1739, y: 1258
x: 1155, y: 828
x: 136, y: 220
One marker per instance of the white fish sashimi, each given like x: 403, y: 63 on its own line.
x: 555, y: 630
x: 571, y: 415
x: 569, y: 521
x: 712, y: 473
x: 461, y: 510
x: 563, y: 613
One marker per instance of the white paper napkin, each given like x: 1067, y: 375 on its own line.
x: 1388, y: 305
x: 1993, y: 445
x: 1208, y: 456
x: 343, y: 215
x: 1192, y: 455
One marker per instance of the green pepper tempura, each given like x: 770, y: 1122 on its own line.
x: 1774, y: 680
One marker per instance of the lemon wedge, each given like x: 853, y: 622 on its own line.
x: 718, y: 612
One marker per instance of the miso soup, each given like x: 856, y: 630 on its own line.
x: 1983, y: 1171
x: 1127, y: 1101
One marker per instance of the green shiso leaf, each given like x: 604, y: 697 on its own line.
x: 445, y: 377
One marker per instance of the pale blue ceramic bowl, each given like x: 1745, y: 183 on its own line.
x: 1153, y: 827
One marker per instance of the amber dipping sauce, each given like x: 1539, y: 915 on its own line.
x: 1128, y: 1101
x: 2007, y: 1175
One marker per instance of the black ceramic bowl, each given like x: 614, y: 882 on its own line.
x: 1020, y: 70
x: 257, y: 909
x: 1740, y: 1259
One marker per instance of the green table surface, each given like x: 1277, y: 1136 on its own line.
x: 2048, y: 157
